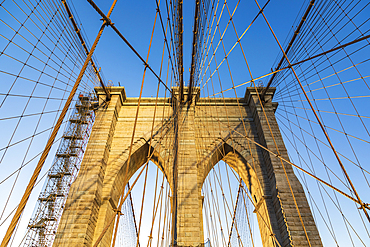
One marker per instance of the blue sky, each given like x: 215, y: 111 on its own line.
x: 135, y: 21
x: 304, y: 139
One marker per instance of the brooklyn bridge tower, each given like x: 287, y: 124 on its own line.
x: 230, y: 149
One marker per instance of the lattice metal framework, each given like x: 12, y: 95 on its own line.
x: 67, y: 161
x: 321, y: 77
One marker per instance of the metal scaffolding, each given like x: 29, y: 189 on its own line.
x: 50, y: 204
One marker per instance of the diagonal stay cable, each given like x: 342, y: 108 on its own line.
x: 152, y: 127
x: 83, y: 43
x: 363, y: 206
x: 296, y: 32
x: 293, y: 64
x: 232, y: 48
x: 272, y: 135
x: 45, y: 153
x: 109, y: 22
x: 165, y: 37
x: 123, y: 198
x: 296, y: 166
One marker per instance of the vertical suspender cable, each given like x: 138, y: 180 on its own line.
x: 83, y: 43
x: 289, y: 46
x: 45, y: 153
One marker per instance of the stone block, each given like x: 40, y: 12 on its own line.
x: 202, y: 142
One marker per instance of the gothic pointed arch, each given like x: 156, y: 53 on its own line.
x: 251, y: 172
x: 117, y: 175
x: 186, y: 153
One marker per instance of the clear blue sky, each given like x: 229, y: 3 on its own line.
x: 120, y: 65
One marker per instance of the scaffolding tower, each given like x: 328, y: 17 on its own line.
x: 49, y: 208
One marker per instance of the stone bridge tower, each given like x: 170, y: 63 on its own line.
x: 185, y: 143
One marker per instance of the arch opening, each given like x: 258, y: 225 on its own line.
x: 228, y: 216
x: 149, y: 180
x: 154, y: 211
x: 233, y: 174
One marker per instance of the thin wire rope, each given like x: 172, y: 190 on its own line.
x: 232, y: 140
x: 228, y: 125
x: 41, y: 42
x: 316, y: 44
x: 315, y: 137
x: 311, y: 151
x: 328, y: 139
x: 155, y: 207
x: 232, y: 48
x: 347, y: 186
x: 122, y: 200
x: 348, y: 140
x: 338, y: 207
x: 317, y: 20
x: 225, y: 107
x: 294, y: 165
x: 226, y: 58
x: 29, y: 146
x: 306, y: 148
